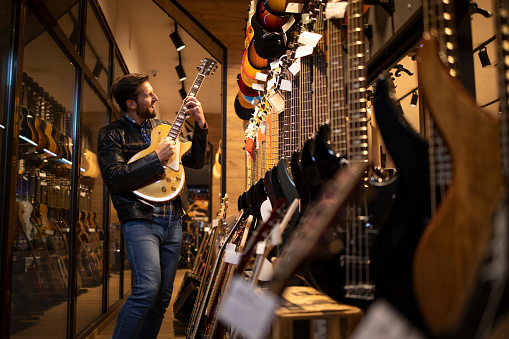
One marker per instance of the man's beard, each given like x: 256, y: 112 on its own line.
x: 146, y: 113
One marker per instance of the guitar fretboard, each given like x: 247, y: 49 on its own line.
x: 181, y: 116
x: 321, y: 108
x: 336, y: 76
x: 358, y: 131
x: 503, y: 57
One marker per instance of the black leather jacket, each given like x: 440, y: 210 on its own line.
x: 120, y: 141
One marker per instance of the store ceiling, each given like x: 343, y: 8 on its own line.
x: 225, y: 20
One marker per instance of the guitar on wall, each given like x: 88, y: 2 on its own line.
x: 170, y: 183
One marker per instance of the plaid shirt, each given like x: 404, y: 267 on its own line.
x: 169, y: 210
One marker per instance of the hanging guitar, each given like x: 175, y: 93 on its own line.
x: 170, y: 183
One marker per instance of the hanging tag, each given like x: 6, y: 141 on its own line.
x: 274, y: 64
x: 302, y: 51
x: 294, y: 7
x: 260, y: 247
x: 249, y: 311
x: 215, y: 222
x: 232, y: 257
x: 309, y: 38
x: 261, y: 76
x: 277, y: 101
x: 285, y: 85
x: 336, y: 10
x: 295, y: 67
x: 288, y: 24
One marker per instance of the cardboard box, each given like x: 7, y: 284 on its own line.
x: 306, y: 313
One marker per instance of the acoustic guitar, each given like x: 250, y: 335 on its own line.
x: 169, y: 185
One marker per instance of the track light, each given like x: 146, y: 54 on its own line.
x: 177, y: 41
x: 182, y: 92
x: 483, y: 56
x: 180, y: 71
x: 413, y: 101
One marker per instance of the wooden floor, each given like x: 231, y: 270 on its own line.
x: 171, y: 327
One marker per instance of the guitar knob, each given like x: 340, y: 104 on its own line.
x: 168, y: 179
x: 173, y: 188
x: 163, y: 189
x: 177, y: 178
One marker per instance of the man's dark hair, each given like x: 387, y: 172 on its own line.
x: 126, y: 88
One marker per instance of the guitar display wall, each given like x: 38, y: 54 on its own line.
x: 43, y: 195
x: 313, y: 115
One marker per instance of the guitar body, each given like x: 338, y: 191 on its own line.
x: 453, y: 244
x: 169, y: 185
x: 289, y: 192
x: 300, y: 181
x: 267, y: 20
x: 269, y: 188
x: 394, y: 247
x: 255, y: 60
x: 310, y: 170
x: 326, y: 160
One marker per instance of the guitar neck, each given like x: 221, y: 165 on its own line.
x: 358, y: 131
x: 181, y: 116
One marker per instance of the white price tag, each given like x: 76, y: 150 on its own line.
x: 277, y: 101
x: 286, y: 85
x: 288, y: 24
x: 275, y: 63
x: 294, y: 7
x: 276, y: 236
x: 302, y: 51
x: 336, y: 10
x: 260, y: 247
x: 271, y: 83
x: 383, y: 321
x: 249, y: 311
x: 261, y: 76
x: 258, y: 87
x: 309, y: 38
x: 229, y: 248
x: 263, y: 127
x: 232, y: 257
x: 215, y: 222
x: 295, y: 67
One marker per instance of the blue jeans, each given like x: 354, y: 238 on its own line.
x: 153, y: 249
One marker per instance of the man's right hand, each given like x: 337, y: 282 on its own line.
x: 165, y: 149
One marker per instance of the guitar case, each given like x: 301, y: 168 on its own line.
x: 184, y: 303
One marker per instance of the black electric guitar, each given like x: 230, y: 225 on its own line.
x: 394, y: 246
x: 169, y: 185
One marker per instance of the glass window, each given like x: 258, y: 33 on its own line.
x: 90, y: 230
x: 41, y: 249
x: 97, y: 49
x: 66, y: 14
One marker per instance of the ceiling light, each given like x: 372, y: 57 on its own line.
x: 413, y: 101
x: 182, y: 92
x: 177, y: 41
x: 180, y: 71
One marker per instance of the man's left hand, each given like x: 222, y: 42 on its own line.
x: 194, y: 109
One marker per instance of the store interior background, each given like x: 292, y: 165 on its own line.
x: 141, y: 29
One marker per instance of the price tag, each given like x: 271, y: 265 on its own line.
x: 232, y: 257
x: 261, y: 76
x: 383, y: 321
x: 215, y: 222
x: 249, y: 311
x: 271, y: 83
x: 276, y: 236
x: 260, y: 247
x: 277, y: 101
x: 336, y: 10
x: 275, y: 63
x: 302, y: 51
x: 309, y: 38
x: 258, y: 87
x: 285, y: 85
x: 289, y: 23
x: 294, y: 7
x: 295, y: 67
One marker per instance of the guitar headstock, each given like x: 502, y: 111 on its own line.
x: 224, y: 206
x: 207, y: 66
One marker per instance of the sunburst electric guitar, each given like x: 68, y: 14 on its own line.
x: 170, y: 183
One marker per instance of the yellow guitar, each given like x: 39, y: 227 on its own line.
x: 170, y: 184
